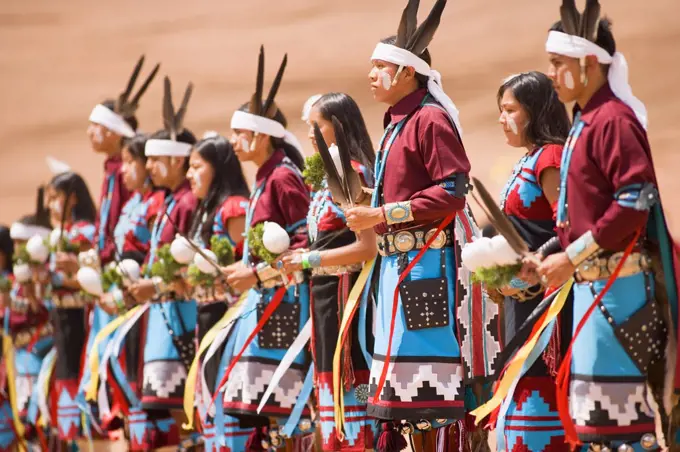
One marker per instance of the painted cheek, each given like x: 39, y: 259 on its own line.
x: 162, y: 170
x: 56, y: 207
x: 568, y: 80
x: 97, y: 136
x: 245, y: 145
x: 133, y: 173
x: 385, y: 80
x: 512, y: 124
x: 197, y: 180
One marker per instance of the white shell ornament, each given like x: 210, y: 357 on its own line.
x: 90, y: 280
x: 129, y: 270
x: 181, y: 251
x: 275, y: 238
x: 202, y: 263
x: 22, y: 273
x: 503, y: 252
x: 37, y: 249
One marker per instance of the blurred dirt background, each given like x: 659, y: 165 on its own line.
x: 58, y: 59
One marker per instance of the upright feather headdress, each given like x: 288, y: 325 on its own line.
x: 267, y: 108
x: 173, y: 121
x: 581, y: 25
x: 416, y: 38
x: 126, y: 105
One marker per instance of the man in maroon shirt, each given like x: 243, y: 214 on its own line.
x: 424, y: 334
x: 608, y: 212
x: 111, y: 122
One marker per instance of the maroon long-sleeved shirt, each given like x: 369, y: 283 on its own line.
x: 426, y: 153
x: 118, y: 196
x: 611, y: 153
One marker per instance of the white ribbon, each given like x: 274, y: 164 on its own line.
x: 166, y: 148
x: 293, y: 351
x: 242, y: 120
x: 20, y: 231
x: 402, y: 57
x: 112, y: 121
x: 577, y: 47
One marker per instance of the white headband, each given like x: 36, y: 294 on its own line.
x: 112, y: 121
x: 577, y: 47
x: 402, y: 57
x: 242, y: 120
x: 20, y: 231
x: 166, y: 148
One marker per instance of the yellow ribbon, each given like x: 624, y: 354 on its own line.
x: 8, y: 355
x: 50, y: 370
x: 93, y: 360
x: 190, y: 386
x: 518, y: 360
x: 347, y: 315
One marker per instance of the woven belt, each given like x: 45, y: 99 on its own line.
x: 602, y: 267
x: 23, y: 338
x: 74, y: 300
x: 336, y: 270
x: 412, y: 239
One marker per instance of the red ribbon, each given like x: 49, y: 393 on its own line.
x: 564, y: 374
x: 269, y: 310
x: 395, y: 303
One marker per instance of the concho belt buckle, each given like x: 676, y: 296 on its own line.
x: 439, y: 242
x: 404, y: 241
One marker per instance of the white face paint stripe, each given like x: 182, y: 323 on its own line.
x: 197, y: 180
x: 385, y: 79
x: 245, y: 145
x: 569, y: 80
x: 163, y: 169
x: 512, y: 124
x: 133, y: 173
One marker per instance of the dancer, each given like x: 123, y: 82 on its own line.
x: 535, y: 120
x: 421, y: 181
x: 169, y: 323
x: 335, y: 258
x: 218, y: 183
x: 616, y: 245
x: 111, y: 123
x: 280, y: 197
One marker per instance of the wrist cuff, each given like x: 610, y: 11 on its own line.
x: 582, y: 248
x: 398, y: 212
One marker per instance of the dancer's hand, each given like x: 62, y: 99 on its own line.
x: 361, y: 218
x: 240, y: 277
x: 142, y: 290
x: 556, y: 270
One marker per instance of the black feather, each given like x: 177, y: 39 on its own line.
x: 499, y: 220
x: 168, y: 109
x: 135, y: 100
x: 332, y: 177
x: 589, y: 20
x: 269, y: 109
x: 123, y: 98
x: 256, y: 101
x: 408, y: 23
x: 425, y: 32
x: 570, y: 17
x: 181, y: 113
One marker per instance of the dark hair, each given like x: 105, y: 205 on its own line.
x: 6, y: 247
x: 41, y: 217
x: 135, y: 146
x: 71, y: 182
x: 603, y: 38
x: 228, y: 180
x: 131, y: 120
x: 277, y: 143
x: 548, y: 118
x: 186, y: 136
x: 347, y: 111
x: 425, y: 56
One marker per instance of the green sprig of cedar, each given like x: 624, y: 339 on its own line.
x: 496, y: 277
x: 314, y: 172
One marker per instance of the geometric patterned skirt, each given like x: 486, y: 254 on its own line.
x: 425, y: 376
x: 608, y: 393
x: 329, y: 295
